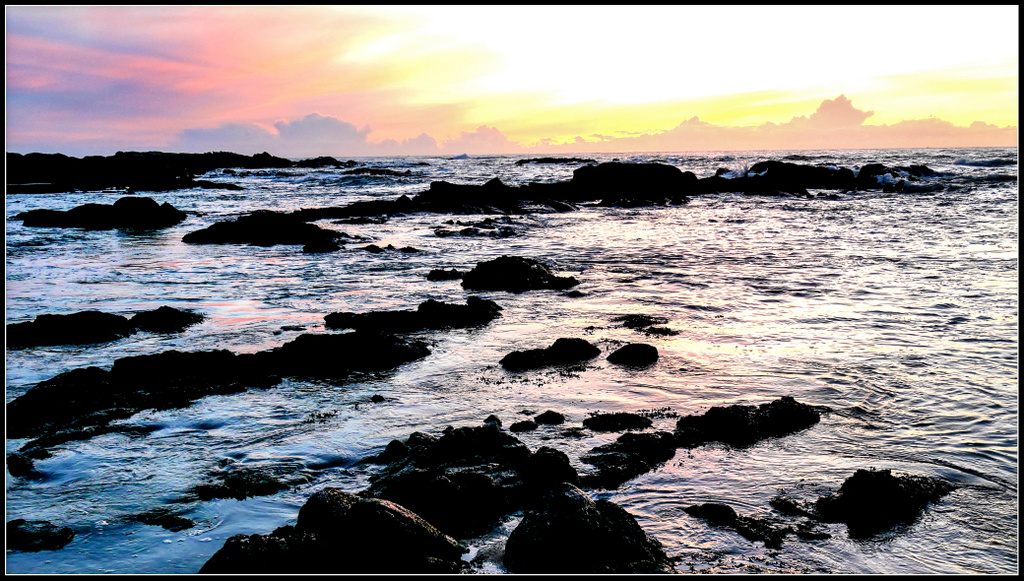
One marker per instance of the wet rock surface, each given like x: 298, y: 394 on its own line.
x: 567, y: 532
x: 130, y: 213
x: 430, y: 315
x: 264, y: 228
x: 562, y: 352
x: 514, y: 274
x: 550, y: 417
x: 743, y: 425
x: 338, y: 532
x: 872, y: 501
x: 36, y: 535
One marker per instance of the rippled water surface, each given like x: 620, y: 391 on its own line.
x: 898, y: 311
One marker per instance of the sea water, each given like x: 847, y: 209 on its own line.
x: 897, y: 311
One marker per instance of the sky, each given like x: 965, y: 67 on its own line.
x: 416, y: 80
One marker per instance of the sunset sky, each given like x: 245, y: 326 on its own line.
x: 354, y: 81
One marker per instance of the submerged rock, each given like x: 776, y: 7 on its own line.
x: 568, y: 533
x: 634, y: 355
x: 130, y: 213
x: 750, y: 528
x: 872, y: 501
x: 631, y: 455
x: 36, y: 535
x: 562, y: 352
x: 243, y: 482
x: 743, y: 425
x: 514, y: 274
x: 338, y: 532
x: 430, y: 314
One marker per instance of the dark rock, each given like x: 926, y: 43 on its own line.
x: 438, y: 274
x: 325, y: 161
x: 474, y: 446
x: 431, y: 314
x: 634, y: 354
x: 162, y: 517
x: 872, y: 501
x: 321, y: 247
x: 550, y: 160
x: 616, y: 422
x: 631, y: 455
x: 575, y: 294
x: 21, y: 466
x: 550, y: 417
x: 131, y: 213
x: 409, y: 250
x: 523, y: 426
x: 263, y: 228
x: 208, y: 185
x: 75, y: 329
x: 165, y: 320
x: 462, y: 504
x: 376, y: 398
x: 339, y: 532
x: 713, y: 512
x: 138, y: 171
x: 377, y: 171
x: 337, y: 355
x: 570, y: 533
x: 514, y: 274
x: 373, y: 248
x: 492, y: 419
x: 639, y: 321
x: 751, y: 528
x: 243, y: 482
x: 634, y: 184
x: 81, y: 400
x: 743, y: 425
x: 548, y: 467
x: 562, y: 352
x: 36, y: 535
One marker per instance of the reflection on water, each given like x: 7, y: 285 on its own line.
x: 898, y: 311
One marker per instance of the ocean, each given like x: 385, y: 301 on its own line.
x: 898, y: 311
